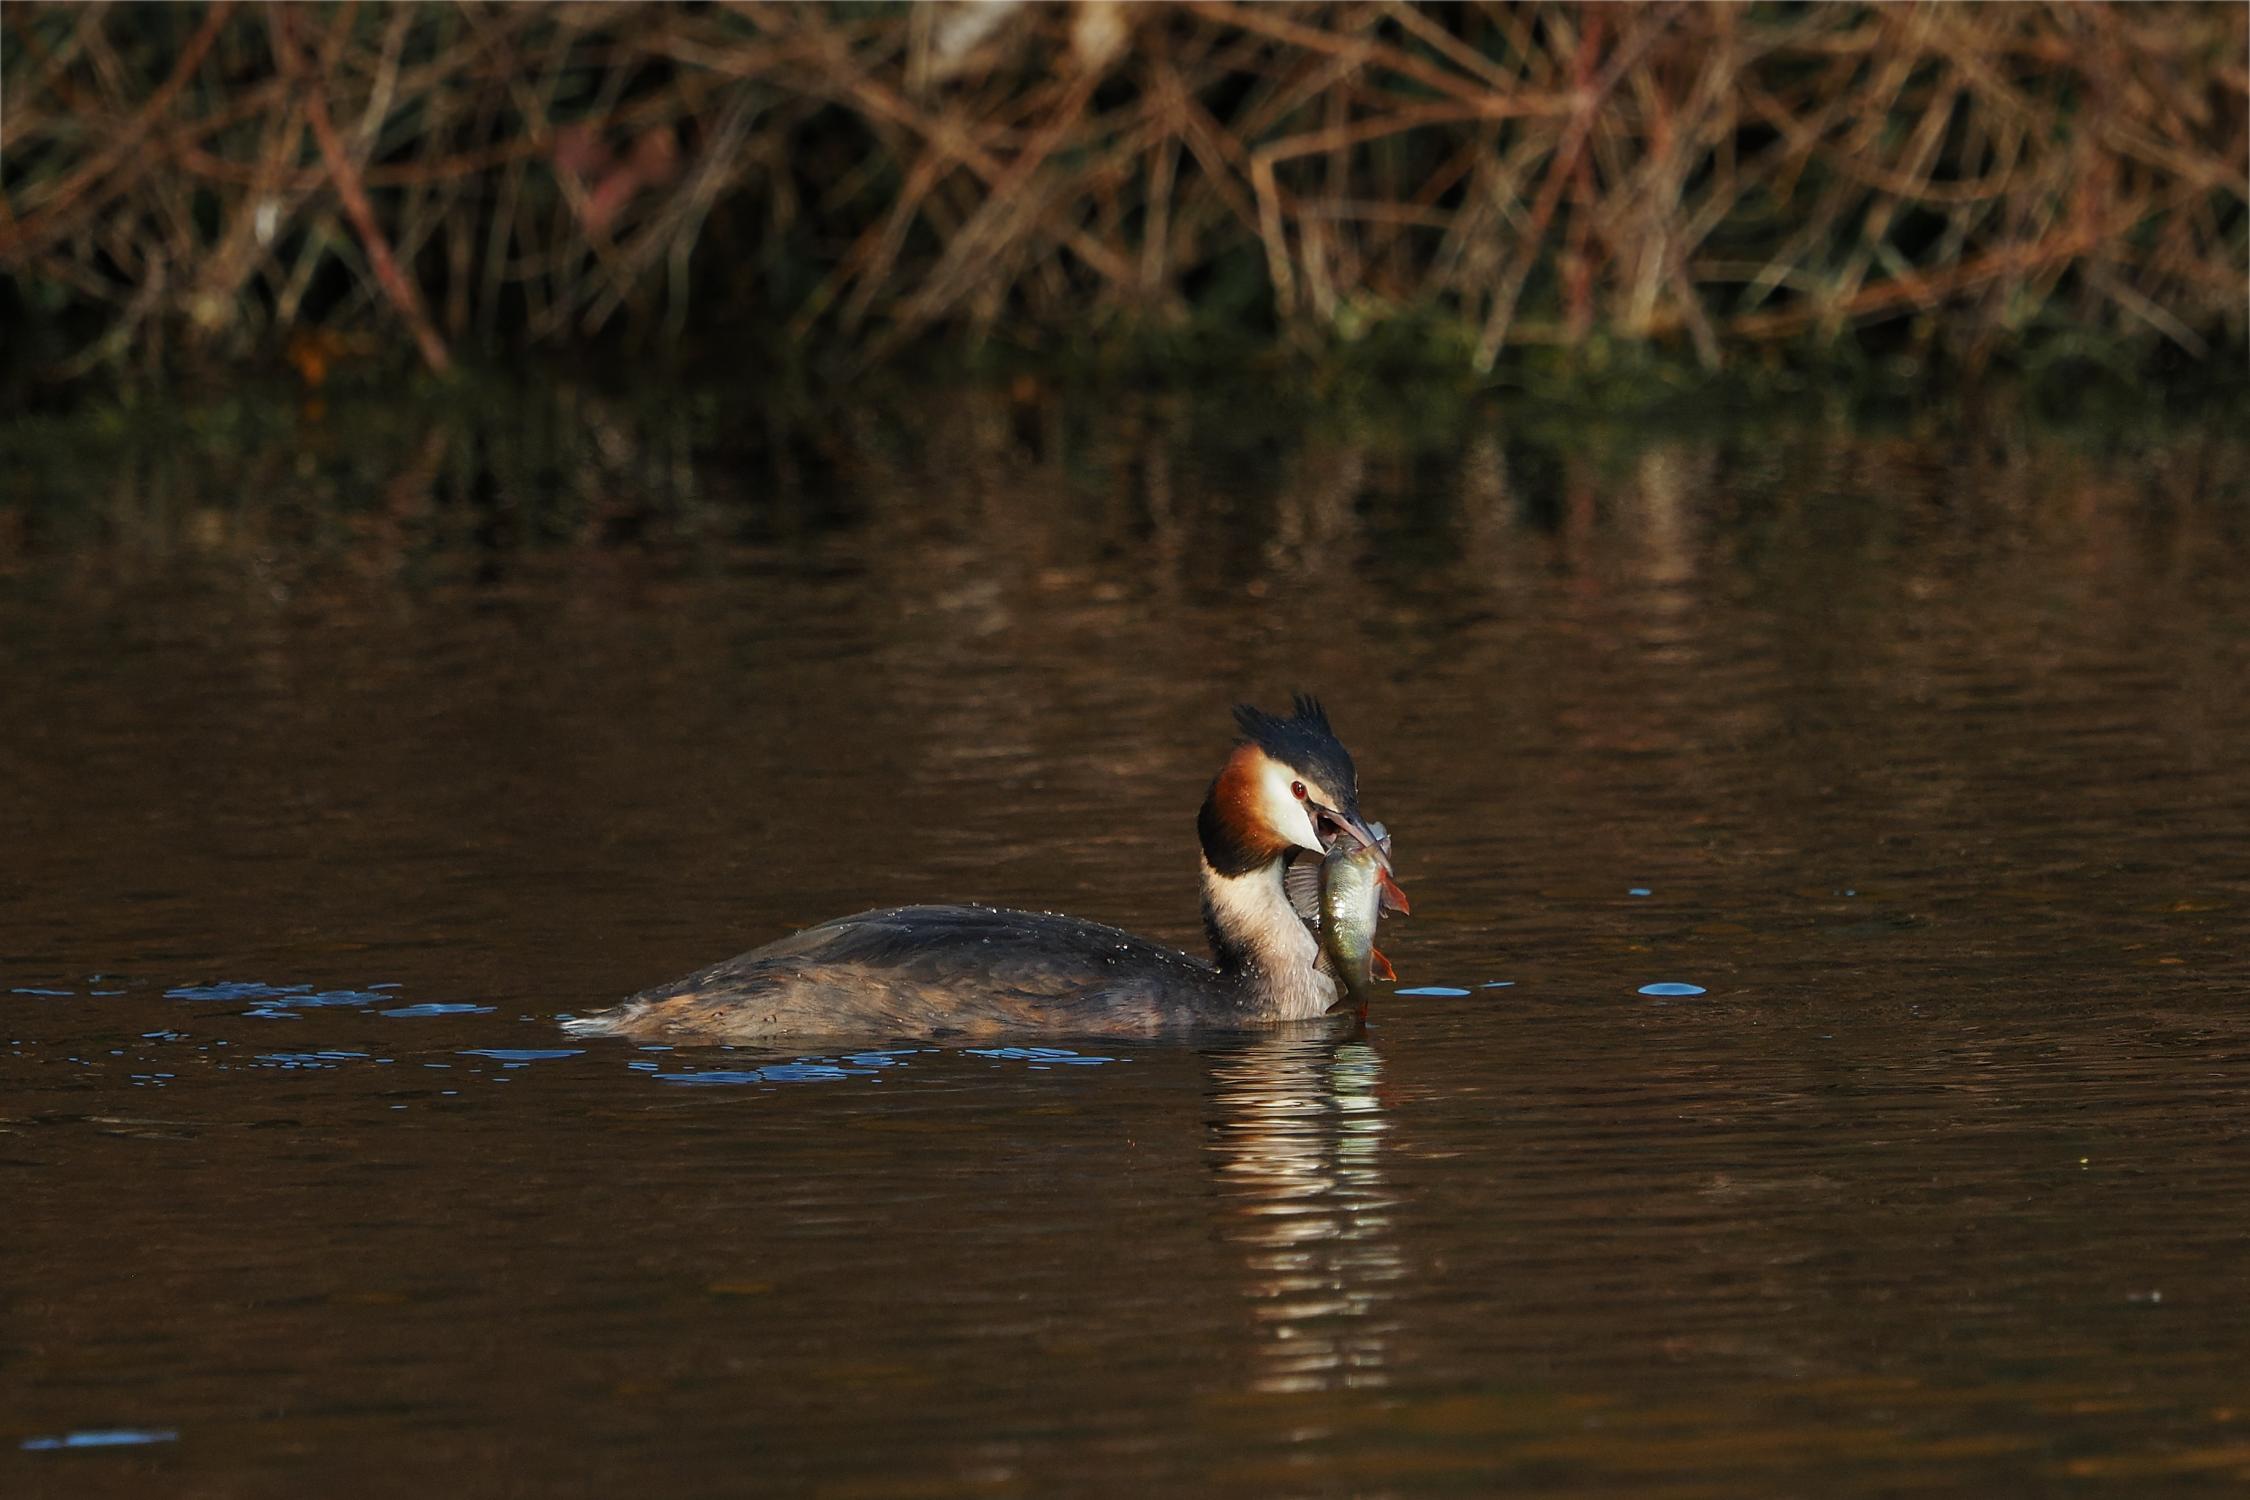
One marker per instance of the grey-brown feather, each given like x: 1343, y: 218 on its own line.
x: 935, y: 971
x: 1300, y: 879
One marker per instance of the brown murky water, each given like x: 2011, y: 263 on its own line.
x: 1921, y: 758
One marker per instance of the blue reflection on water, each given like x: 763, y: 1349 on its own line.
x: 111, y: 1437
x: 277, y: 1002
x: 1671, y: 988
x: 789, y: 1072
x: 865, y: 1064
x: 1432, y: 989
x: 522, y: 1054
x: 282, y: 1002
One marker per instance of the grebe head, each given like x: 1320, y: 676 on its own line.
x: 1288, y: 785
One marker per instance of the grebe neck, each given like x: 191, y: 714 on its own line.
x: 1261, y: 946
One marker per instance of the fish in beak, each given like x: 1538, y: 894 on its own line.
x: 1332, y: 825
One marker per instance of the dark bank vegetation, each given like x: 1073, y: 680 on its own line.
x: 486, y: 478
x: 1466, y: 186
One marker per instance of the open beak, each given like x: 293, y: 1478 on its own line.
x: 1326, y: 818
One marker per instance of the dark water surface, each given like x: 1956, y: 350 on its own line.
x: 1921, y: 756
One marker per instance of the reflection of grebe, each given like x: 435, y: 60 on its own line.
x: 940, y: 970
x: 1299, y: 1135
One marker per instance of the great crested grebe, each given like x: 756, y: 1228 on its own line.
x: 938, y: 971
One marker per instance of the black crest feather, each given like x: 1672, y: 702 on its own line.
x: 1305, y: 742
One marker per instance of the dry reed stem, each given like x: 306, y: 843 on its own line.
x: 1529, y: 172
x: 353, y: 194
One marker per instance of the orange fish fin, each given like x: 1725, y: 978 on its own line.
x: 1394, y: 899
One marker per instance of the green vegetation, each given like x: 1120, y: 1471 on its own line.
x: 1620, y: 198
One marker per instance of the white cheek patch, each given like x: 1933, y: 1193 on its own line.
x: 1285, y: 814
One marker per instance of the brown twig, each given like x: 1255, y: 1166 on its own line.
x: 52, y: 217
x: 353, y: 194
x: 1520, y: 170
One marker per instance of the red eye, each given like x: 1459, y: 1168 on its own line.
x: 1297, y: 790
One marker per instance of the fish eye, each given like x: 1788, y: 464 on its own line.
x: 1297, y: 790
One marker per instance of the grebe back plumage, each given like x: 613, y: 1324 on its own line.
x: 941, y: 971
